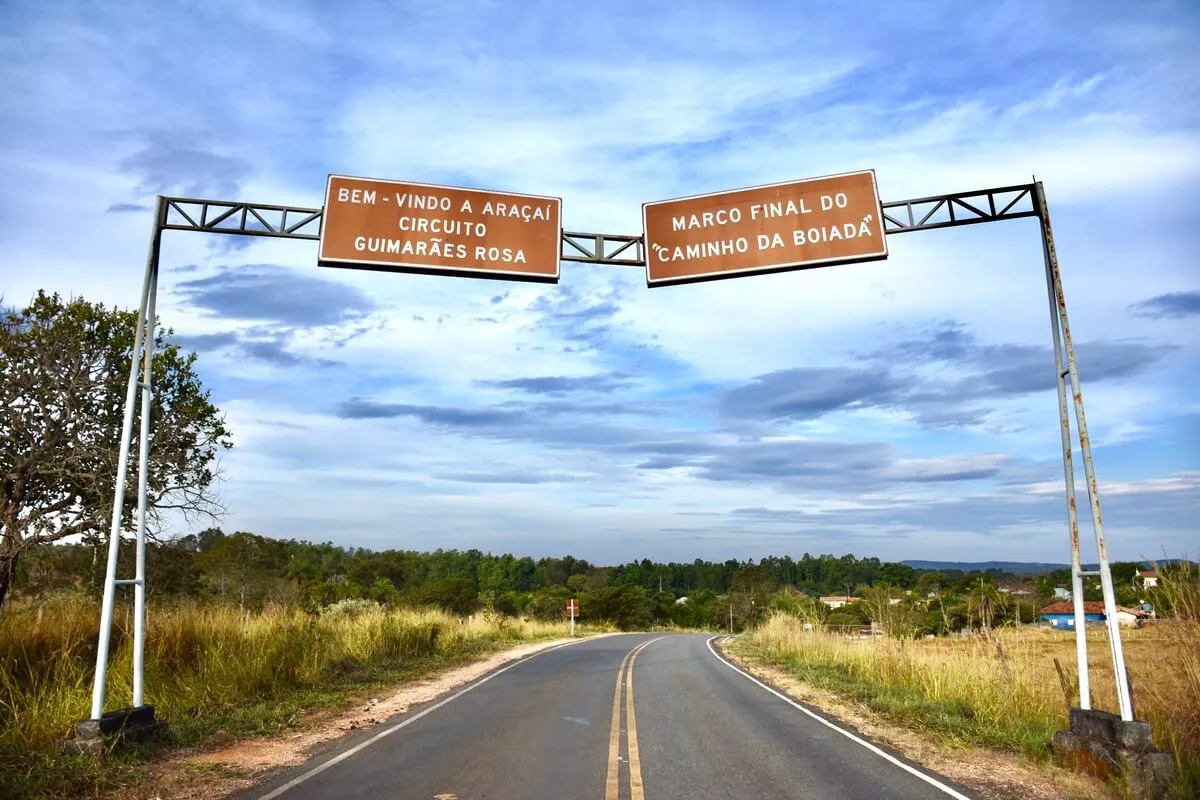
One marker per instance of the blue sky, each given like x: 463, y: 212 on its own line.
x: 903, y: 408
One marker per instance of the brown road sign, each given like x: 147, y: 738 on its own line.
x: 573, y: 607
x: 398, y: 226
x: 815, y: 222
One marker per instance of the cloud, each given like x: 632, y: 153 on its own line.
x: 126, y: 208
x: 807, y: 393
x: 560, y: 385
x: 449, y: 417
x: 271, y: 293
x: 894, y: 377
x: 1174, y: 305
x: 262, y: 345
x: 274, y: 351
x: 206, y: 341
x: 526, y: 479
x: 163, y: 165
x: 577, y: 316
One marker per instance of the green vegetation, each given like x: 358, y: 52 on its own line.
x: 1002, y: 690
x: 252, y: 572
x: 211, y: 668
x: 62, y: 391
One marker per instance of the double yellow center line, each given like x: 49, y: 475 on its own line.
x: 612, y: 787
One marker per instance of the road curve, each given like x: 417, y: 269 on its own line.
x: 626, y: 717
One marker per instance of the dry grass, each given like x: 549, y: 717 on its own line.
x: 208, y: 669
x: 1002, y: 692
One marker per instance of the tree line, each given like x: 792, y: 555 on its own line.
x: 252, y: 572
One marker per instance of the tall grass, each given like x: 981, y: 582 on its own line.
x: 207, y: 669
x: 1005, y: 691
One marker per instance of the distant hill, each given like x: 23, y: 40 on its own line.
x: 1015, y: 567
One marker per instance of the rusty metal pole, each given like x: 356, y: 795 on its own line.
x: 1064, y: 416
x: 1110, y: 604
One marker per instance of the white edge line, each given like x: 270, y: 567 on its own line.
x: 931, y: 781
x: 294, y: 782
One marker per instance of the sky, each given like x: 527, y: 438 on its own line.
x: 904, y: 408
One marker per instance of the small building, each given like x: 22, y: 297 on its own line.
x: 837, y: 601
x: 1061, y: 615
x: 1062, y: 593
x: 1148, y: 578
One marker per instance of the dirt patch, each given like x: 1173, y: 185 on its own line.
x: 226, y: 764
x: 991, y: 774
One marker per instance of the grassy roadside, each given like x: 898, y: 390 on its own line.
x: 210, y: 670
x: 1002, y: 694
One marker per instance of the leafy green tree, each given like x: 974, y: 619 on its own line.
x: 456, y: 595
x: 985, y: 602
x: 62, y: 393
x: 627, y: 607
x: 243, y: 565
x: 702, y: 609
x: 855, y: 613
x: 750, y: 591
x: 901, y: 575
x: 549, y: 604
x: 891, y: 611
x: 805, y: 608
x: 1123, y: 572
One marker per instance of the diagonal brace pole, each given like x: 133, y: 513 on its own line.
x: 1124, y: 699
x: 142, y: 338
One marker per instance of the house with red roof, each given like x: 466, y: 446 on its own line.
x: 1062, y: 614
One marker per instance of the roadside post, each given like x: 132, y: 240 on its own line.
x: 572, y: 612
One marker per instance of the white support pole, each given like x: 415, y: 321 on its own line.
x: 1081, y: 655
x: 1124, y: 699
x: 139, y: 587
x: 114, y: 536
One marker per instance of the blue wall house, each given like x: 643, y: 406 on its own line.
x: 1062, y: 613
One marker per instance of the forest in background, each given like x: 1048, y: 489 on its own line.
x: 254, y: 572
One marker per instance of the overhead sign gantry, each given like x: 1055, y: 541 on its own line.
x: 398, y: 226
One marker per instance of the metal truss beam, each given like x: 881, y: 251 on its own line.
x: 961, y: 208
x: 247, y: 219
x: 612, y: 249
x: 616, y: 249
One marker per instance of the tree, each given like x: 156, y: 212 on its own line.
x: 628, y: 607
x: 243, y: 564
x: 456, y: 595
x: 891, y: 611
x: 62, y: 393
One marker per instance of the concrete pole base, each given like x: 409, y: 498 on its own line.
x: 1102, y: 744
x: 115, y: 728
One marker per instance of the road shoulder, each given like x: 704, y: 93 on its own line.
x: 225, y: 765
x: 990, y: 774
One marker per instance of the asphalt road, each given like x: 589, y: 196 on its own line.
x: 557, y: 726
